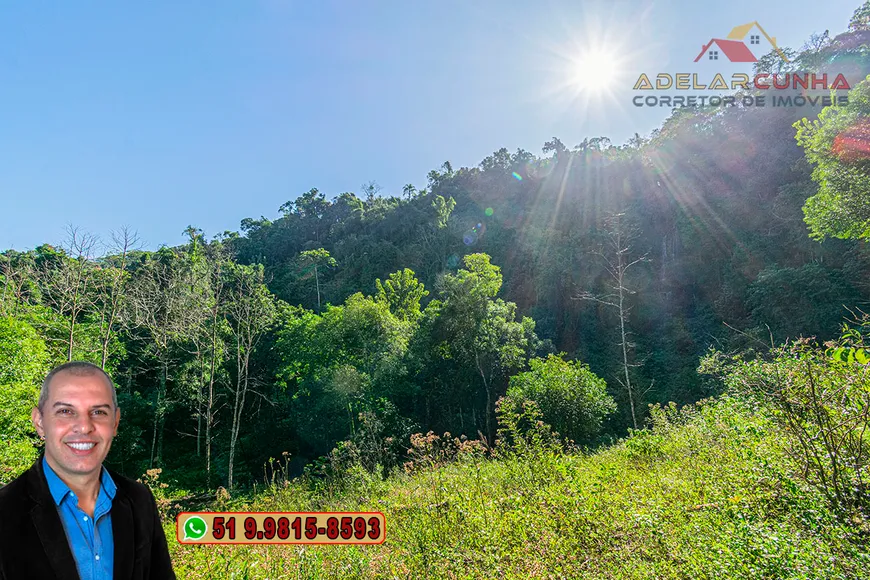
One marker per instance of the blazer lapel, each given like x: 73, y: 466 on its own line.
x: 48, y: 526
x: 122, y: 536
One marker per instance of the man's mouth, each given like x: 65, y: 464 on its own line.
x: 82, y: 447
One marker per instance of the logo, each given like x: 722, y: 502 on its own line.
x: 195, y: 528
x: 735, y: 48
x: 747, y: 43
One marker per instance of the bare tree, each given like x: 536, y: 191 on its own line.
x: 67, y: 280
x: 617, y: 259
x: 19, y: 274
x: 208, y: 338
x: 250, y: 310
x: 160, y: 304
x: 217, y: 354
x: 112, y: 287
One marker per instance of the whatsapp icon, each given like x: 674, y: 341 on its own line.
x: 194, y: 528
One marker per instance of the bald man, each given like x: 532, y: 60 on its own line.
x: 68, y: 517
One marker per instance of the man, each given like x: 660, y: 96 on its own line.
x: 68, y: 517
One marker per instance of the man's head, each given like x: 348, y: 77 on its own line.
x: 78, y: 416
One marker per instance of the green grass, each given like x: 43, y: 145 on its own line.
x: 708, y: 493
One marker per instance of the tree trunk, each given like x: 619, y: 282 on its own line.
x: 625, y: 363
x: 317, y: 283
x: 486, y: 386
x: 154, y: 433
x: 72, y: 326
x: 622, y: 315
x: 157, y: 435
x: 199, y: 401
x: 210, y: 411
x: 104, y: 354
x: 241, y: 388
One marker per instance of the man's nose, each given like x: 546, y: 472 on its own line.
x: 84, y: 424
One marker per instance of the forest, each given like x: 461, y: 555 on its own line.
x: 587, y: 291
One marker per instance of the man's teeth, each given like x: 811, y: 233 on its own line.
x: 81, y: 446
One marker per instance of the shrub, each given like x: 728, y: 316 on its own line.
x: 430, y: 451
x: 823, y: 405
x: 521, y: 430
x: 23, y: 354
x: 23, y: 359
x: 571, y: 397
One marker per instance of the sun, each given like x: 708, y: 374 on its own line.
x: 595, y: 70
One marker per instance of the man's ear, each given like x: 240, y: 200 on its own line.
x: 36, y: 419
x: 117, y: 421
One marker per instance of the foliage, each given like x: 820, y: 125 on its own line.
x: 861, y: 18
x: 23, y: 354
x: 23, y: 358
x: 431, y: 451
x: 521, y: 430
x: 376, y: 444
x: 165, y: 498
x: 823, y: 404
x: 571, y: 398
x: 795, y: 301
x: 716, y: 502
x: 365, y: 354
x: 402, y: 292
x: 17, y: 437
x: 836, y: 144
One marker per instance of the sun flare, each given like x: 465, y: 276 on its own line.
x: 596, y: 70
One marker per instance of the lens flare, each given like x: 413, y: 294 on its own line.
x: 853, y: 144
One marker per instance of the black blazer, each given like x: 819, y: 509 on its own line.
x: 33, y: 543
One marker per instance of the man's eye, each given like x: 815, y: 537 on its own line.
x: 100, y: 412
x: 64, y: 411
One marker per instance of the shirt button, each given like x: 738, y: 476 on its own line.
x: 98, y: 556
x: 86, y: 518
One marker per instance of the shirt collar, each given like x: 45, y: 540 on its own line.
x: 59, y: 489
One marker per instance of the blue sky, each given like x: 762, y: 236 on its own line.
x: 159, y: 115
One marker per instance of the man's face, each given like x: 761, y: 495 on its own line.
x: 78, y: 422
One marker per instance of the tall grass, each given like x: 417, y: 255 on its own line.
x: 708, y: 492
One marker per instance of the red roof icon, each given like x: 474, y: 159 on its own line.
x: 735, y: 50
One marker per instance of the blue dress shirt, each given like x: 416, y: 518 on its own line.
x: 92, y: 544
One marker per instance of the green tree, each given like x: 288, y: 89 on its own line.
x: 472, y: 337
x: 314, y: 260
x: 23, y: 363
x: 18, y: 275
x: 337, y: 363
x: 571, y: 397
x: 860, y: 18
x: 402, y: 293
x: 804, y: 301
x: 836, y: 144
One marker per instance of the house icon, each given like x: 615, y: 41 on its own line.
x: 736, y: 48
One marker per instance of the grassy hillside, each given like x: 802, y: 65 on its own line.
x: 708, y: 492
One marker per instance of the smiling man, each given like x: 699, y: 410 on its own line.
x: 68, y: 517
